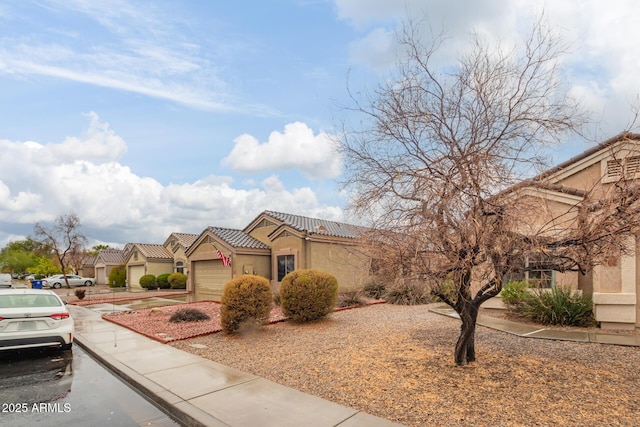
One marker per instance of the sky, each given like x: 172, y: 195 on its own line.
x: 151, y: 117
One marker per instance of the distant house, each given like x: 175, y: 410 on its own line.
x: 219, y: 254
x: 615, y: 287
x: 300, y: 242
x: 87, y: 269
x: 106, y: 260
x: 146, y: 258
x: 272, y: 245
x: 177, y: 244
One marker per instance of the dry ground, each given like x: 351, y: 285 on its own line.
x: 396, y: 362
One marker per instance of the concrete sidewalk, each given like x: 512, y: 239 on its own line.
x: 200, y: 392
x: 535, y: 331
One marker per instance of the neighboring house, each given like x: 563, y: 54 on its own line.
x: 146, y: 258
x: 106, y: 260
x: 87, y: 269
x: 219, y: 254
x: 177, y: 244
x: 615, y: 287
x: 299, y: 242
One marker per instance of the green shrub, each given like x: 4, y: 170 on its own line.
x: 246, y: 299
x: 559, y: 306
x: 308, y: 294
x: 350, y: 299
x: 375, y: 288
x: 163, y: 281
x: 148, y: 281
x: 177, y: 280
x: 118, y: 277
x: 188, y: 315
x: 408, y: 292
x: 514, y: 294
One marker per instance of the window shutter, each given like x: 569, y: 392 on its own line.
x: 633, y: 166
x: 614, y: 168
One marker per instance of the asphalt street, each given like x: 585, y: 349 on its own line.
x: 54, y: 388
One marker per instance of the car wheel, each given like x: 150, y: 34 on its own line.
x: 56, y: 286
x: 88, y: 283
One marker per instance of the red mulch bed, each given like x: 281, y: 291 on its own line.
x: 154, y: 322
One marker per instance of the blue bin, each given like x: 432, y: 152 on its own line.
x: 36, y: 284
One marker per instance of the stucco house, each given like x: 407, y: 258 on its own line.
x: 219, y: 254
x: 615, y: 287
x: 106, y: 260
x: 299, y: 242
x: 87, y: 269
x: 177, y: 244
x: 146, y: 258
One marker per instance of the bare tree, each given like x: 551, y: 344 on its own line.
x: 442, y: 153
x: 64, y: 239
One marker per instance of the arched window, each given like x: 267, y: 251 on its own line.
x: 180, y: 267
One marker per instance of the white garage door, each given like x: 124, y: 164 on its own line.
x: 101, y: 275
x: 133, y: 276
x: 209, y: 278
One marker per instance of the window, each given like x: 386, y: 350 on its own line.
x: 544, y: 278
x: 286, y: 264
x: 180, y: 267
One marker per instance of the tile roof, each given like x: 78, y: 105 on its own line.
x: 185, y: 239
x: 112, y: 256
x: 89, y: 260
x: 604, y: 144
x: 153, y: 250
x: 317, y: 226
x: 236, y: 238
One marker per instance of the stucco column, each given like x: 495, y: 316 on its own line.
x: 617, y: 310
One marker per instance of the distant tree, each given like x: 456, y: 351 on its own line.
x: 63, y: 239
x: 95, y: 250
x: 45, y: 266
x: 17, y: 260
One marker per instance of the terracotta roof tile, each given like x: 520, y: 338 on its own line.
x: 317, y: 226
x: 237, y: 238
x: 111, y: 256
x: 152, y: 250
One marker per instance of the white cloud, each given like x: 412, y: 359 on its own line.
x: 316, y: 156
x: 82, y: 174
x: 602, y: 61
x: 377, y: 50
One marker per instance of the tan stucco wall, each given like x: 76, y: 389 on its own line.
x: 158, y: 268
x: 260, y: 265
x: 347, y: 263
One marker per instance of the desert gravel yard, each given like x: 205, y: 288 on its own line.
x: 396, y: 362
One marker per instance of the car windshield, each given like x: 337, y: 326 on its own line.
x: 28, y: 300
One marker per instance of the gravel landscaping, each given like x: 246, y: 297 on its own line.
x: 396, y: 362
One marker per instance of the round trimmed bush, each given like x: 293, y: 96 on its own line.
x: 307, y: 295
x: 246, y: 299
x: 148, y: 281
x: 177, y: 281
x: 163, y: 281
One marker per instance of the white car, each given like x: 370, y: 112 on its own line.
x: 33, y: 318
x: 57, y: 281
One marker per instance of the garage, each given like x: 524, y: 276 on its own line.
x: 101, y: 275
x: 210, y: 277
x: 133, y: 276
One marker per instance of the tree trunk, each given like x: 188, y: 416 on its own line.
x: 465, y: 347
